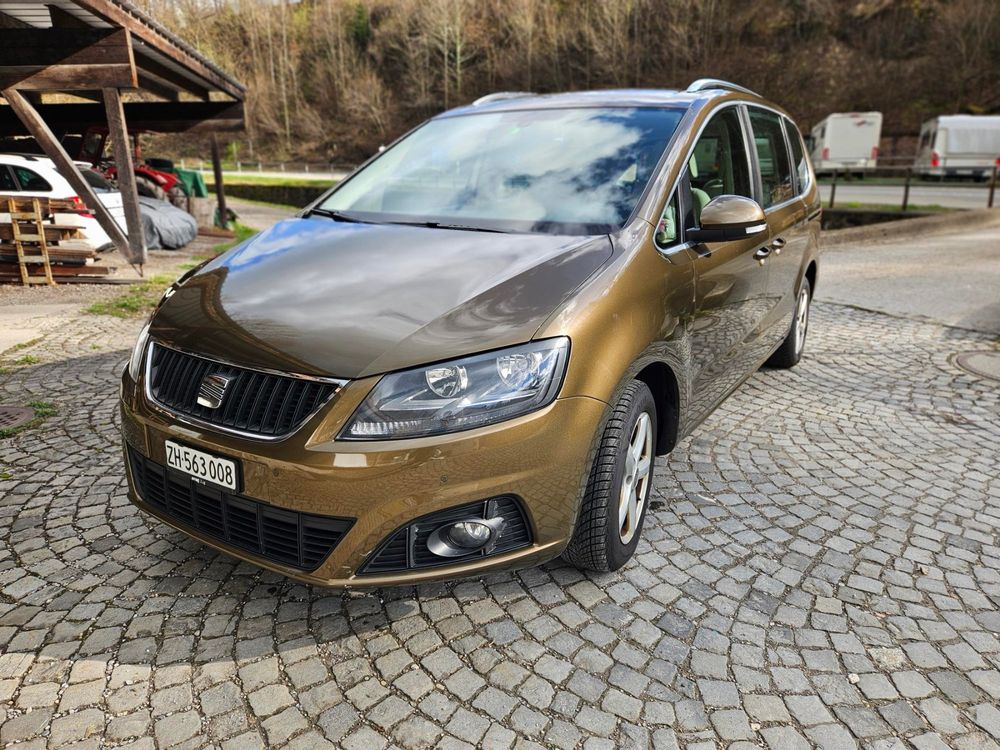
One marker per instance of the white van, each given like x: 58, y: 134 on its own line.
x: 846, y: 141
x: 959, y: 146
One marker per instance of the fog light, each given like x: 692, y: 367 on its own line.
x: 464, y: 537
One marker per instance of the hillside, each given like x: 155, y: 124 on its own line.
x: 333, y: 79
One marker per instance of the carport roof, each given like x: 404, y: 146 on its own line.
x: 165, y: 64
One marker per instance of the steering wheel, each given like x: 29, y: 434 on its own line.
x: 714, y: 186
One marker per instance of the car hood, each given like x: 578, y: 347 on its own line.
x: 321, y: 297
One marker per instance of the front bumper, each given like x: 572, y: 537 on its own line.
x: 542, y: 458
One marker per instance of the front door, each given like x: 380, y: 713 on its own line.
x: 731, y: 282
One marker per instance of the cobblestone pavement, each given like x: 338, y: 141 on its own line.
x: 820, y: 568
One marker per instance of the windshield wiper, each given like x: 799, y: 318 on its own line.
x: 446, y: 225
x: 336, y: 215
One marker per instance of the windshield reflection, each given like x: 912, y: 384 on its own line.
x: 576, y: 171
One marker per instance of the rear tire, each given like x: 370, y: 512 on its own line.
x: 790, y: 351
x: 614, y: 503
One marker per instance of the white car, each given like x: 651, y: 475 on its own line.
x: 30, y: 176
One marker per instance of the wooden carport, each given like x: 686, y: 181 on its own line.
x: 95, y: 50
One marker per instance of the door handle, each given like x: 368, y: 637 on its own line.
x: 777, y: 243
x: 761, y: 255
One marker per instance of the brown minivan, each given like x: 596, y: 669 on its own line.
x: 468, y: 355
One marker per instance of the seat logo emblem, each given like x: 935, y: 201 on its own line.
x: 212, y: 390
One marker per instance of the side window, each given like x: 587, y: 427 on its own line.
x: 718, y: 163
x: 667, y: 230
x: 31, y: 180
x: 799, y: 162
x: 775, y: 169
x: 7, y: 184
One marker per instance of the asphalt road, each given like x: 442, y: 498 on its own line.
x: 952, y: 279
x: 966, y: 195
x: 257, y: 216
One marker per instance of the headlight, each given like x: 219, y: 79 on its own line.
x: 462, y: 394
x: 135, y: 361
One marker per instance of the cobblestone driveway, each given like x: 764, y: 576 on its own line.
x: 820, y: 567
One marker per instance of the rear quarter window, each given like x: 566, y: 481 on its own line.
x: 96, y: 181
x: 799, y: 163
x: 31, y: 180
x: 772, y: 157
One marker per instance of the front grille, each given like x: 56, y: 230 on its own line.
x: 298, y: 540
x: 406, y: 548
x: 254, y: 402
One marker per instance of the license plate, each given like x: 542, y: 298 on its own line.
x: 202, y: 466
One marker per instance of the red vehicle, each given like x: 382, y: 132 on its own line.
x: 151, y: 177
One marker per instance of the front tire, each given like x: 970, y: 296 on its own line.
x: 790, y: 351
x: 614, y: 503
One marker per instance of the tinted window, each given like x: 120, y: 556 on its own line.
x: 718, y: 164
x: 6, y: 180
x: 96, y: 180
x: 798, y: 157
x: 772, y: 156
x: 31, y: 180
x: 560, y: 170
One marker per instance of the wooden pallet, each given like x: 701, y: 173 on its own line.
x: 11, y: 270
x: 27, y: 233
x: 36, y: 250
x: 70, y: 256
x: 51, y: 232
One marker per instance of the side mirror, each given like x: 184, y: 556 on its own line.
x: 729, y: 217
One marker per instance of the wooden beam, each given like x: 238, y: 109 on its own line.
x: 149, y: 32
x: 158, y: 87
x: 220, y: 189
x: 9, y: 22
x: 118, y: 130
x: 156, y: 117
x: 66, y: 59
x: 167, y: 76
x: 62, y: 19
x: 64, y: 163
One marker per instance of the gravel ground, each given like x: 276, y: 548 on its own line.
x: 160, y: 262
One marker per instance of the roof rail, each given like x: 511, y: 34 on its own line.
x: 717, y: 83
x: 501, y: 95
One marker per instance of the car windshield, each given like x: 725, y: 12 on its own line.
x: 573, y: 171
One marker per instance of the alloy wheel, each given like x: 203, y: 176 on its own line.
x: 635, y: 482
x: 801, y: 319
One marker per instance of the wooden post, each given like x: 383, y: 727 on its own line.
x: 220, y: 190
x: 833, y: 189
x: 993, y: 186
x: 118, y: 131
x: 36, y: 126
x: 906, y: 188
